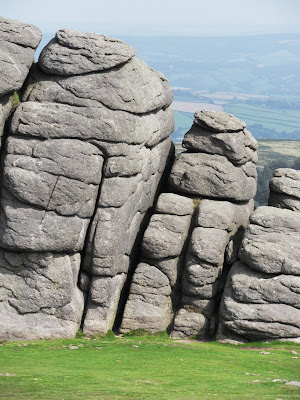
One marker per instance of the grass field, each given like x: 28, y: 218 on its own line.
x: 144, y: 368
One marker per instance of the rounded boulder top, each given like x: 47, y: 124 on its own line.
x: 73, y: 53
x: 218, y: 121
x: 20, y: 33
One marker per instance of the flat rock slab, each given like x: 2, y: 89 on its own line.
x: 73, y: 53
x: 218, y: 121
x: 213, y: 176
x: 272, y: 241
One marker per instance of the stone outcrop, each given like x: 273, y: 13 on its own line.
x: 285, y: 189
x: 18, y: 42
x: 262, y: 295
x: 87, y: 149
x: 189, y: 238
x: 100, y: 230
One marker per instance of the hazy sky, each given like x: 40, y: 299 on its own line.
x: 159, y: 17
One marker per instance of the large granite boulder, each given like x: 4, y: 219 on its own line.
x: 18, y: 42
x: 285, y: 189
x: 87, y: 150
x: 262, y: 296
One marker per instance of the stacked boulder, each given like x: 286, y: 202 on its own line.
x: 154, y: 286
x: 18, y: 42
x: 262, y: 296
x: 285, y: 189
x: 215, y: 182
x: 220, y: 165
x: 87, y: 150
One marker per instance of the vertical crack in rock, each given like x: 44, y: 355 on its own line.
x: 84, y: 278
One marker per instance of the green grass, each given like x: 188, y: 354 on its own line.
x: 147, y: 367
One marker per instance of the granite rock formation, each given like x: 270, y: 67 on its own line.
x: 18, y: 42
x: 86, y: 152
x: 100, y: 230
x: 262, y: 295
x: 189, y: 238
x: 285, y: 189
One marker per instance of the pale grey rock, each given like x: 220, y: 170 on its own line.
x: 188, y: 323
x: 39, y: 298
x: 213, y: 176
x: 251, y: 286
x: 26, y: 228
x: 103, y: 303
x: 13, y: 31
x: 51, y: 121
x: 218, y: 121
x: 271, y: 242
x: 155, y: 282
x: 285, y: 189
x: 208, y: 244
x: 223, y: 214
x: 259, y: 306
x: 174, y: 204
x: 73, y: 53
x: 206, y: 307
x: 6, y: 106
x: 239, y: 147
x: 58, y: 175
x: 165, y: 236
x: 149, y: 305
x: 214, y: 240
x: 132, y: 87
x: 18, y: 42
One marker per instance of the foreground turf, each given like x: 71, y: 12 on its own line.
x: 147, y: 368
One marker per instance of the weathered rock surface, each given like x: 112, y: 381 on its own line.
x: 18, y: 42
x: 190, y: 323
x: 262, y: 296
x: 271, y: 243
x: 285, y: 189
x: 218, y: 121
x: 74, y: 53
x: 220, y: 165
x: 39, y: 297
x: 213, y: 176
x: 150, y: 304
x: 87, y: 150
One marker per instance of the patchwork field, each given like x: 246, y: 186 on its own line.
x: 148, y: 368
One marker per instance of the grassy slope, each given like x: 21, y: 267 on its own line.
x: 147, y: 368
